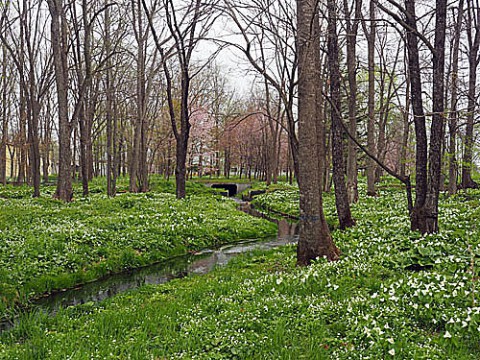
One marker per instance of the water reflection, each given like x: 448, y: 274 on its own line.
x: 200, y: 263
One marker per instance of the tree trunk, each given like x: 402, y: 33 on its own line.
x: 371, y: 102
x: 438, y: 119
x: 315, y: 239
x: 453, y: 118
x: 47, y: 136
x: 60, y: 47
x: 473, y: 18
x: 5, y: 105
x: 352, y: 30
x: 22, y: 138
x: 180, y: 169
x: 33, y: 137
x: 111, y: 168
x: 417, y: 216
x: 424, y: 216
x: 406, y: 131
x: 136, y: 156
x: 341, y: 195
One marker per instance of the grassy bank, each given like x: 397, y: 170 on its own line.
x: 394, y: 294
x: 47, y: 245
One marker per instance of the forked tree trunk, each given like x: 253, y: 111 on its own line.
x: 424, y: 216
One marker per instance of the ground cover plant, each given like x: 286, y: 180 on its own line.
x: 394, y: 294
x: 48, y: 245
x: 282, y: 200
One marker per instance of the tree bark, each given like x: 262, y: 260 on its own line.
x: 46, y: 141
x: 138, y: 161
x: 352, y: 30
x: 111, y: 164
x: 371, y: 101
x: 59, y: 32
x: 406, y: 130
x: 5, y: 105
x: 341, y: 195
x: 473, y: 18
x: 453, y: 116
x: 438, y: 120
x: 424, y: 216
x: 315, y: 239
x: 417, y: 216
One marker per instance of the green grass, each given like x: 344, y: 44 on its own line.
x: 47, y: 245
x: 261, y: 306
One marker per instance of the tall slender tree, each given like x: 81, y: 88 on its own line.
x: 370, y: 33
x: 351, y: 27
x: 453, y: 115
x: 473, y: 37
x: 341, y: 195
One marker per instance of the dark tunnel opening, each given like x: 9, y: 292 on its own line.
x: 231, y: 188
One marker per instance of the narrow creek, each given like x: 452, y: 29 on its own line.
x: 199, y: 263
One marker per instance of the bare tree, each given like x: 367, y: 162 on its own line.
x: 33, y: 66
x: 188, y: 24
x: 268, y: 31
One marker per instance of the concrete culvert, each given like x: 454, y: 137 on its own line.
x: 231, y: 188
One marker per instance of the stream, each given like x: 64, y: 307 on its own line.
x: 199, y: 263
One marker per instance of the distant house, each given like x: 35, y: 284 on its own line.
x: 11, y: 162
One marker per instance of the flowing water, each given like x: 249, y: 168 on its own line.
x: 178, y: 267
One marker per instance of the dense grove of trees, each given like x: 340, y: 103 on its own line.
x: 135, y: 87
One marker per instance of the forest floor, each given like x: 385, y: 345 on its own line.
x: 394, y: 294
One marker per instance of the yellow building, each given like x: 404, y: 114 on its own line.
x: 12, y: 160
x: 11, y: 163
